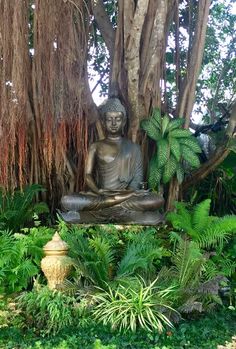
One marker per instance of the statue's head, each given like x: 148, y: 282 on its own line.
x: 113, y: 116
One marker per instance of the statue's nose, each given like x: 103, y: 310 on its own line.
x: 113, y: 122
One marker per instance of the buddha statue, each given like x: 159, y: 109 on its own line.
x: 114, y: 176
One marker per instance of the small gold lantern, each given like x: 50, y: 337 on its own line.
x: 56, y: 265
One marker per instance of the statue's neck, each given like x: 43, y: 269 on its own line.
x: 114, y: 138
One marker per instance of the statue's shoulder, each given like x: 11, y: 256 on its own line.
x: 130, y: 145
x: 94, y: 146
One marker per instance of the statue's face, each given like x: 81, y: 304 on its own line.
x: 114, y: 122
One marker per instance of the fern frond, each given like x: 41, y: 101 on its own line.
x: 6, y: 242
x: 218, y: 232
x: 103, y: 250
x: 228, y: 267
x: 175, y: 237
x: 201, y: 215
x: 210, y: 270
x: 188, y: 261
x: 181, y: 219
x: 140, y: 255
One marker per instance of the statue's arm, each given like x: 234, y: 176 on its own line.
x: 137, y: 169
x: 89, y: 167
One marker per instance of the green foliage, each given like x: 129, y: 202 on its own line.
x: 196, y: 272
x: 128, y: 307
x: 102, y: 258
x: 98, y: 345
x: 205, y: 333
x: 174, y: 144
x: 18, y: 208
x: 93, y: 257
x: 141, y: 256
x: 47, y: 311
x: 220, y: 187
x: 188, y: 262
x: 20, y: 257
x: 204, y: 229
x: 217, y: 80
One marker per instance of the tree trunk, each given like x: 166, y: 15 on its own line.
x: 45, y: 100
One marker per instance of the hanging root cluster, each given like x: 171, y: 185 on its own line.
x: 43, y: 110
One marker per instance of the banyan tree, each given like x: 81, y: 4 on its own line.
x: 47, y: 114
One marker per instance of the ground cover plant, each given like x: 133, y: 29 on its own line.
x: 204, y: 333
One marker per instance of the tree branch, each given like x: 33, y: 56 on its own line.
x: 104, y: 24
x: 221, y: 153
x: 187, y: 95
x: 208, y: 167
x: 132, y: 62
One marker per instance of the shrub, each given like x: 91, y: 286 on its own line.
x: 125, y: 308
x: 204, y: 229
x: 48, y: 311
x: 102, y: 258
x: 18, y: 208
x: 20, y: 258
x: 174, y: 144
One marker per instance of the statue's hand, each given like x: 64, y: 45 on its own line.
x: 105, y: 192
x: 141, y: 192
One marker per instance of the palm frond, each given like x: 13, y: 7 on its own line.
x: 140, y: 255
x: 188, y: 263
x: 103, y: 250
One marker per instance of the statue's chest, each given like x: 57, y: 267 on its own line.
x: 107, y: 153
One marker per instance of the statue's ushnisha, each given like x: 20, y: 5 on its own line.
x: 113, y: 174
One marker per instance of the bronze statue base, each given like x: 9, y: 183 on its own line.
x: 116, y: 215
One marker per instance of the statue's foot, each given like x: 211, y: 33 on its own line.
x: 115, y: 216
x: 70, y: 216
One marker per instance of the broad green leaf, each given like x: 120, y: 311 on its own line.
x: 169, y: 169
x: 151, y: 130
x: 189, y: 156
x: 174, y: 124
x: 192, y: 143
x: 175, y: 148
x: 163, y: 152
x: 156, y: 117
x: 180, y: 133
x: 164, y: 124
x: 155, y: 173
